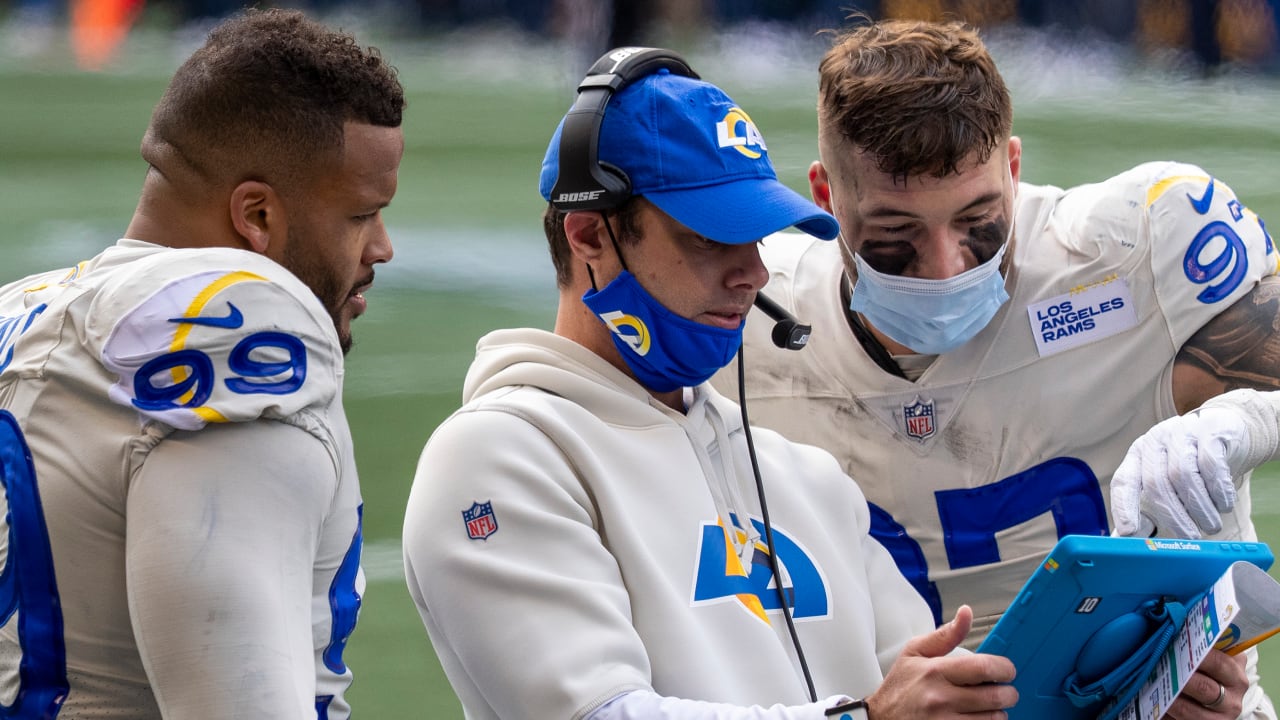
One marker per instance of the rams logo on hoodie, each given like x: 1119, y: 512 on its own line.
x: 720, y: 575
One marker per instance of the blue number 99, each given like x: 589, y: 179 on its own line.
x: 191, y: 378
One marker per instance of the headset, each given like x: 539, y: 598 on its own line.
x: 583, y: 182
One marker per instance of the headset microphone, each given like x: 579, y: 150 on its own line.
x: 788, y: 332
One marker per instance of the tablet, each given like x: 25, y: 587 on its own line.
x: 1084, y: 583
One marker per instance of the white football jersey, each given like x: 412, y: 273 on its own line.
x: 1008, y: 442
x: 184, y: 512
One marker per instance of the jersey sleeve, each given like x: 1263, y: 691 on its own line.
x: 220, y: 569
x: 1207, y: 249
x: 213, y: 336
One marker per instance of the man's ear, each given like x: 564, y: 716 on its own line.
x: 1015, y: 159
x: 819, y: 186
x: 586, y: 234
x: 258, y: 216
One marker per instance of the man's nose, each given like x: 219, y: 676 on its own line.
x: 943, y: 255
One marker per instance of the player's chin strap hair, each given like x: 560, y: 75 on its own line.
x: 584, y: 182
x: 1182, y: 473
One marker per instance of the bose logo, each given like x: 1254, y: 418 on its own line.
x: 622, y: 54
x: 579, y: 196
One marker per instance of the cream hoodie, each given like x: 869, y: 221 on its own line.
x: 564, y: 542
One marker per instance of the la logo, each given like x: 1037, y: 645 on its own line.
x: 727, y: 134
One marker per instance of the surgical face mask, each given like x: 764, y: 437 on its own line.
x: 931, y: 316
x: 664, y: 350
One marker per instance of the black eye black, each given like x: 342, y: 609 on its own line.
x: 984, y: 241
x: 889, y: 260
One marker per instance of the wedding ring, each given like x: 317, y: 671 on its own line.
x: 1222, y: 695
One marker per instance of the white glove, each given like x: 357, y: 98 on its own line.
x: 1179, y: 476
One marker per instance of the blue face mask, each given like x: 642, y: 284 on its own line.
x: 930, y: 316
x: 664, y: 350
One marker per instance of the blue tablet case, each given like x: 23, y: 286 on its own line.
x: 1085, y: 583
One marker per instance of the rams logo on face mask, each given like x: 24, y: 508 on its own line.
x: 727, y: 134
x: 630, y: 328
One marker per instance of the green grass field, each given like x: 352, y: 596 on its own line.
x: 470, y: 254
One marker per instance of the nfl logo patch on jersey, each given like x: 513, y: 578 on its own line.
x: 918, y: 417
x: 480, y: 520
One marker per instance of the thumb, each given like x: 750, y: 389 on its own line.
x: 944, y: 639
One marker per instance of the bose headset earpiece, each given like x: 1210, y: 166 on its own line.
x: 583, y: 182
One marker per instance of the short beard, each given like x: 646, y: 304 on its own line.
x: 315, y: 274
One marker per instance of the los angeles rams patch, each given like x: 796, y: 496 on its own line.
x: 1087, y: 313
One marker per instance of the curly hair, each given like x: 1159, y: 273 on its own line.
x: 267, y: 97
x: 918, y: 97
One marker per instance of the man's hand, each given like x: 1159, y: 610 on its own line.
x: 926, y: 682
x: 1216, y: 690
x: 1180, y: 476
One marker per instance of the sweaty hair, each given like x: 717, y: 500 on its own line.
x: 626, y: 228
x: 917, y: 97
x: 266, y: 98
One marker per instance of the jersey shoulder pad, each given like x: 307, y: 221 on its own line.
x: 1180, y: 196
x: 195, y: 336
x: 782, y: 251
x: 790, y: 259
x: 1102, y: 220
x: 1160, y: 207
x: 1206, y: 246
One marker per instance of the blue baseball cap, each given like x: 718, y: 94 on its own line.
x: 691, y: 151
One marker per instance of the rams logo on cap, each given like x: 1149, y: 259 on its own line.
x: 637, y: 335
x: 735, y: 122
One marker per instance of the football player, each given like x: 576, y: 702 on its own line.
x: 184, y: 528
x: 984, y: 351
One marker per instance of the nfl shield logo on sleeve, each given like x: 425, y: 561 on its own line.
x: 480, y: 520
x: 918, y: 417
